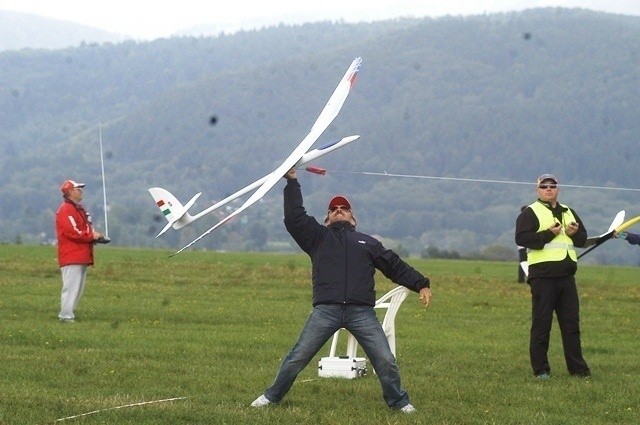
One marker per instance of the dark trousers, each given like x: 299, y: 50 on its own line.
x: 559, y: 295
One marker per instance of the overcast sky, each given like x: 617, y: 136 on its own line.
x: 150, y: 19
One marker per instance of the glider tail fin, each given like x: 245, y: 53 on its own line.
x: 172, y: 209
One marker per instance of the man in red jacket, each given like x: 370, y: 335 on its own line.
x: 75, y: 247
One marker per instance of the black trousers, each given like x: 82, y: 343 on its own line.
x: 559, y: 295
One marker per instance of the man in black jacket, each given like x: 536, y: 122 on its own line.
x: 344, y: 262
x: 551, y: 231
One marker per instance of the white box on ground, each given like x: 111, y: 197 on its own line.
x: 342, y: 367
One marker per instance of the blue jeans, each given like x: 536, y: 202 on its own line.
x: 323, y: 322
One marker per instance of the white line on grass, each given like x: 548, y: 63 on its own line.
x: 120, y: 407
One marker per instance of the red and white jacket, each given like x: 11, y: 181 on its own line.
x: 75, y: 234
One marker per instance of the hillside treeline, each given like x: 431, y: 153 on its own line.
x: 457, y: 116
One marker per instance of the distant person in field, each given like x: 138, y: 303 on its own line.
x: 551, y: 231
x: 343, y: 265
x: 76, y: 237
x: 632, y: 238
x: 522, y: 256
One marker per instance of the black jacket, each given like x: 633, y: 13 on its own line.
x: 344, y: 260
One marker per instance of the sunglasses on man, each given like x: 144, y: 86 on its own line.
x: 340, y: 208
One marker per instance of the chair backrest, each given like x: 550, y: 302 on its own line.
x: 391, y: 301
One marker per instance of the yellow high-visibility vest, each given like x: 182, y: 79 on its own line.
x: 557, y: 249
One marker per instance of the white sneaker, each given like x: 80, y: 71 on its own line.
x: 408, y: 409
x: 261, y: 401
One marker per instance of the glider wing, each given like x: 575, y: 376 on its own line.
x: 593, y: 243
x: 177, y: 214
x: 328, y: 114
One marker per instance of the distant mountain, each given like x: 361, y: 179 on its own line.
x: 24, y: 30
x: 447, y: 109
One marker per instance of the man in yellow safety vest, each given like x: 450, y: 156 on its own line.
x: 550, y: 231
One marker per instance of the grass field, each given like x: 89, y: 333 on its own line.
x: 210, y: 329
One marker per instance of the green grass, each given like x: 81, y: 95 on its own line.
x: 213, y: 328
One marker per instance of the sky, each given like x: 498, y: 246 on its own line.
x: 151, y: 19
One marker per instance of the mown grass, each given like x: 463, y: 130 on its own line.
x: 211, y: 329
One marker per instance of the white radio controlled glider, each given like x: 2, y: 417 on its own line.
x: 177, y: 215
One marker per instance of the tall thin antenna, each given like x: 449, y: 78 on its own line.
x: 104, y: 187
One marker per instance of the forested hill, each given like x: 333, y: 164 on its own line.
x: 459, y: 104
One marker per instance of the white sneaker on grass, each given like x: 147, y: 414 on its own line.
x: 261, y: 401
x: 408, y: 409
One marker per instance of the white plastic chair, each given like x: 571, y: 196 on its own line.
x: 390, y: 301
